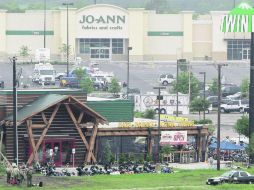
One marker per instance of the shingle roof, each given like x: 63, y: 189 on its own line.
x: 42, y: 103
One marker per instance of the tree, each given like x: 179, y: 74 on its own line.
x: 183, y: 84
x: 242, y: 126
x: 24, y: 51
x: 87, y: 85
x: 149, y: 114
x: 245, y: 84
x: 107, y: 154
x: 114, y: 87
x: 167, y: 149
x: 122, y: 158
x: 214, y: 86
x: 198, y: 104
x: 63, y: 49
x: 80, y: 73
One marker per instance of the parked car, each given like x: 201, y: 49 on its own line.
x: 59, y: 76
x: 72, y: 82
x: 99, y: 83
x: 235, y: 96
x: 234, y: 176
x: 214, y: 100
x: 166, y: 79
x: 234, y: 105
x: 230, y: 90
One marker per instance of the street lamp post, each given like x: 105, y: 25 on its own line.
x: 159, y: 98
x: 128, y: 71
x: 67, y: 48
x: 203, y: 73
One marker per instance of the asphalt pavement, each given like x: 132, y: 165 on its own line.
x: 142, y: 75
x: 228, y: 121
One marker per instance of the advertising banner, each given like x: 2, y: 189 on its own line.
x: 173, y: 138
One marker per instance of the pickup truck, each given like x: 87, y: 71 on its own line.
x: 234, y: 176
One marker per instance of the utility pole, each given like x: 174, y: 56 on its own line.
x: 67, y: 50
x: 159, y: 98
x: 128, y: 71
x: 219, y: 111
x: 251, y: 97
x: 203, y: 73
x: 14, y: 97
x: 177, y: 73
x: 44, y: 34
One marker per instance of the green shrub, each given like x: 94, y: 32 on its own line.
x: 122, y: 158
x: 149, y: 114
x: 202, y: 121
x: 131, y: 157
x: 138, y: 114
x: 149, y: 158
x: 167, y: 149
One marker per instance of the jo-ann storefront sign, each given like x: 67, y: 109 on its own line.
x: 102, y: 21
x: 166, y: 121
x: 240, y: 19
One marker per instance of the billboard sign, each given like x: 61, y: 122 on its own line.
x: 173, y: 138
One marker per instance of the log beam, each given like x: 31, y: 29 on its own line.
x: 91, y: 143
x: 37, y: 126
x: 79, y: 130
x: 31, y: 139
x: 44, y: 132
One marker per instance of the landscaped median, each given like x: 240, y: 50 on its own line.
x: 180, y: 180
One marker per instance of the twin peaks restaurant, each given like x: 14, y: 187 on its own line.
x: 66, y: 127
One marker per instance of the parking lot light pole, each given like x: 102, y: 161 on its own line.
x: 203, y: 73
x: 159, y: 98
x: 128, y: 71
x: 67, y: 31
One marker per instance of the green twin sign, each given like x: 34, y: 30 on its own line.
x: 239, y: 19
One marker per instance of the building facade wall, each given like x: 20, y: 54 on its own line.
x: 2, y: 32
x: 152, y: 36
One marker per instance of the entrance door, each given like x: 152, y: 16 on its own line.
x: 246, y: 54
x: 99, y: 53
x: 58, y: 151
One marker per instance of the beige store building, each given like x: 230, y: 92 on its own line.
x: 104, y: 32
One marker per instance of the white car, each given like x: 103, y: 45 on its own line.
x: 166, y: 79
x: 235, y: 96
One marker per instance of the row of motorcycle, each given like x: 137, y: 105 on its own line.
x: 125, y: 168
x: 233, y: 156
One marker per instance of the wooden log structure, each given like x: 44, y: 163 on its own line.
x: 55, y: 126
